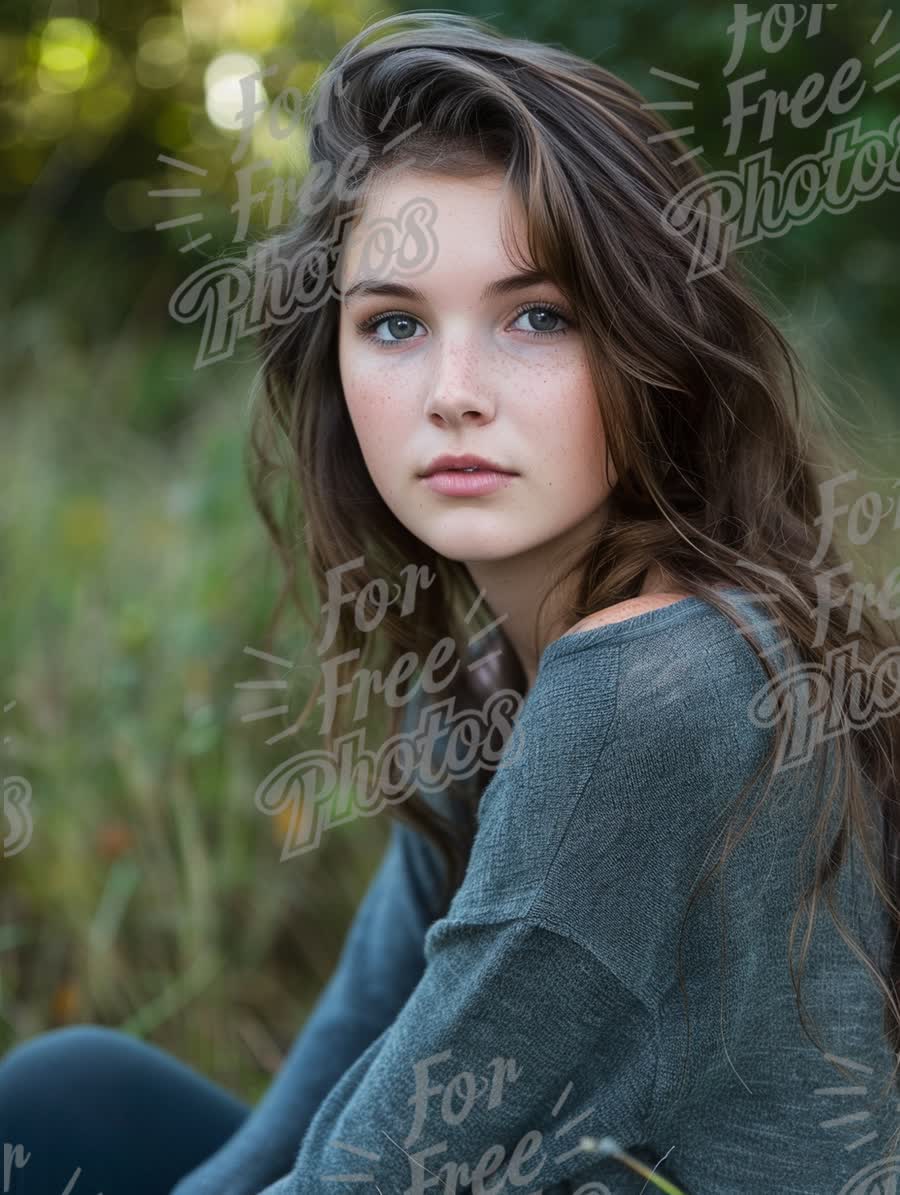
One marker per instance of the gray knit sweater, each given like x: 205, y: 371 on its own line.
x: 474, y: 1052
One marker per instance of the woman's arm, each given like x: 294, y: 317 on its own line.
x: 381, y: 963
x: 515, y: 1043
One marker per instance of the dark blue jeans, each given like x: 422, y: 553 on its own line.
x: 129, y: 1116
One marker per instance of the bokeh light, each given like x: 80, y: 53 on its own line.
x: 162, y: 57
x: 70, y: 54
x: 227, y: 96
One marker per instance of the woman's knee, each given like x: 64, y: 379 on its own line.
x: 95, y: 1097
x: 42, y: 1087
x: 52, y: 1051
x: 58, y: 1090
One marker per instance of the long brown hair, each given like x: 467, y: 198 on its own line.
x: 719, y: 461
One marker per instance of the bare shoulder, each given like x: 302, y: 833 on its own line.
x: 627, y: 609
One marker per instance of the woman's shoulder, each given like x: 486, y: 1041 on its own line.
x: 678, y: 667
x: 667, y: 653
x: 630, y: 608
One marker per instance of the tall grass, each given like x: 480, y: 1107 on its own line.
x: 134, y: 571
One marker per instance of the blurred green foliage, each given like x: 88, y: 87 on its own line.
x: 134, y: 570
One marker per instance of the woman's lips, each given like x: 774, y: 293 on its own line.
x: 457, y: 483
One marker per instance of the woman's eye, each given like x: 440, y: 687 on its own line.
x: 542, y: 321
x: 400, y: 327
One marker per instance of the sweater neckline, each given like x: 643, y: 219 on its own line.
x: 632, y: 627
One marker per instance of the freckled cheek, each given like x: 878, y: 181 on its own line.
x: 584, y: 409
x: 368, y: 391
x: 374, y: 405
x: 565, y: 403
x: 363, y: 395
x: 368, y: 413
x: 380, y: 424
x: 566, y: 419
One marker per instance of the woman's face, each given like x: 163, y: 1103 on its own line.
x: 463, y: 369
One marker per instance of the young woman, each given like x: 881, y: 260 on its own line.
x: 591, y: 934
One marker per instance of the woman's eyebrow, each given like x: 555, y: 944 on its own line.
x: 397, y: 290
